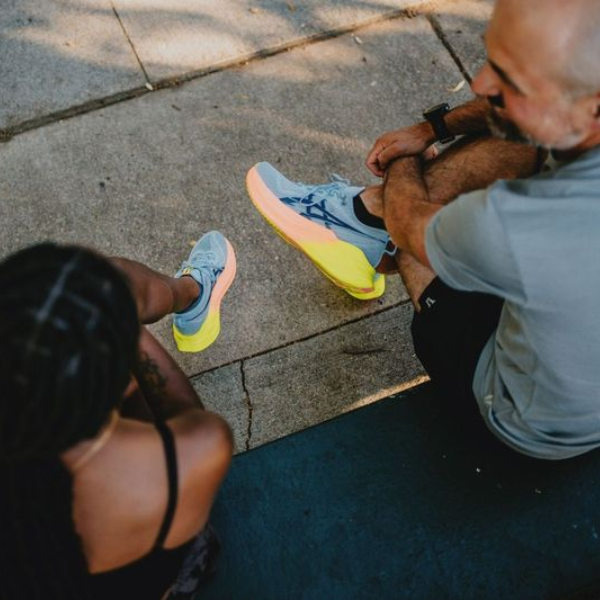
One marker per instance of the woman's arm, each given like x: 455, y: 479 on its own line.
x: 165, y: 388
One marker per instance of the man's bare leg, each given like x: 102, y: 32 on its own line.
x: 470, y: 164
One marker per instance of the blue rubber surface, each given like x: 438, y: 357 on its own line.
x: 404, y: 499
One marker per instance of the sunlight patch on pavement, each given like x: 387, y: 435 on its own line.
x: 401, y: 387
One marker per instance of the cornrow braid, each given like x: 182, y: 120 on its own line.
x: 68, y: 341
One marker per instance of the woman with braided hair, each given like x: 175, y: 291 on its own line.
x: 109, y: 465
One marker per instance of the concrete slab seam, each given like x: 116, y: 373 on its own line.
x: 421, y: 9
x: 305, y: 339
x: 439, y: 32
x: 131, y: 45
x: 8, y: 133
x: 249, y: 405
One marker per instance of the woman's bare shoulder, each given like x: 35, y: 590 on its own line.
x: 121, y: 495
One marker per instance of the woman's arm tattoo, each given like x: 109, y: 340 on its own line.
x: 152, y: 381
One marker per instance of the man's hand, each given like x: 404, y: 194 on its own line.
x: 410, y: 141
x: 417, y: 140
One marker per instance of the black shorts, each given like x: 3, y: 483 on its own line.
x: 449, y: 334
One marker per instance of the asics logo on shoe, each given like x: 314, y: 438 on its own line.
x: 319, y: 213
x: 306, y: 200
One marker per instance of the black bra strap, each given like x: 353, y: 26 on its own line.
x: 169, y: 445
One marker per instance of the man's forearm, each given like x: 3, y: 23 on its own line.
x: 406, y: 206
x: 166, y: 389
x: 468, y: 118
x: 471, y: 117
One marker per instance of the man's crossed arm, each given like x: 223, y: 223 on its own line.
x: 407, y: 209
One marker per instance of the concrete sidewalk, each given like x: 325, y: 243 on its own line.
x: 131, y: 126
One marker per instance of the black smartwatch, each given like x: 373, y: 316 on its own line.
x: 435, y: 117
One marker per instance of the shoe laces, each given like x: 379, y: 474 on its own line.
x: 336, y: 188
x: 205, y: 264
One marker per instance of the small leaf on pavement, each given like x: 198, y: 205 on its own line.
x: 459, y: 86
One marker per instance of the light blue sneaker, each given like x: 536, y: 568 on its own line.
x: 319, y: 220
x: 212, y: 264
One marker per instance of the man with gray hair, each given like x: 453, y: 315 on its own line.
x: 497, y: 239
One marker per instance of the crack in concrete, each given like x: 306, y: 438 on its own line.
x: 8, y: 133
x: 249, y: 406
x: 439, y: 32
x: 364, y: 351
x: 130, y: 41
x: 421, y: 9
x: 304, y: 339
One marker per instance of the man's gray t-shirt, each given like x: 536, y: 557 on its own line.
x: 535, y: 243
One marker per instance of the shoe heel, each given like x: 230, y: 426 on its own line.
x: 377, y: 291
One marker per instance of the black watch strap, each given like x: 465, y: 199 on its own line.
x: 435, y: 116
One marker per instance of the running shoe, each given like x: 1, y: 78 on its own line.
x: 212, y: 264
x: 319, y: 220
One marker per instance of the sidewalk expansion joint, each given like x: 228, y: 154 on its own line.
x: 439, y: 32
x: 130, y: 41
x: 421, y: 9
x: 303, y: 339
x: 10, y: 132
x: 248, y: 405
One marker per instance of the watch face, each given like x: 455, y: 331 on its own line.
x: 439, y: 108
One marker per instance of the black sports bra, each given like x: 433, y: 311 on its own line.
x: 149, y: 577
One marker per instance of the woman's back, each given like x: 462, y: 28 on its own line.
x: 121, y: 495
